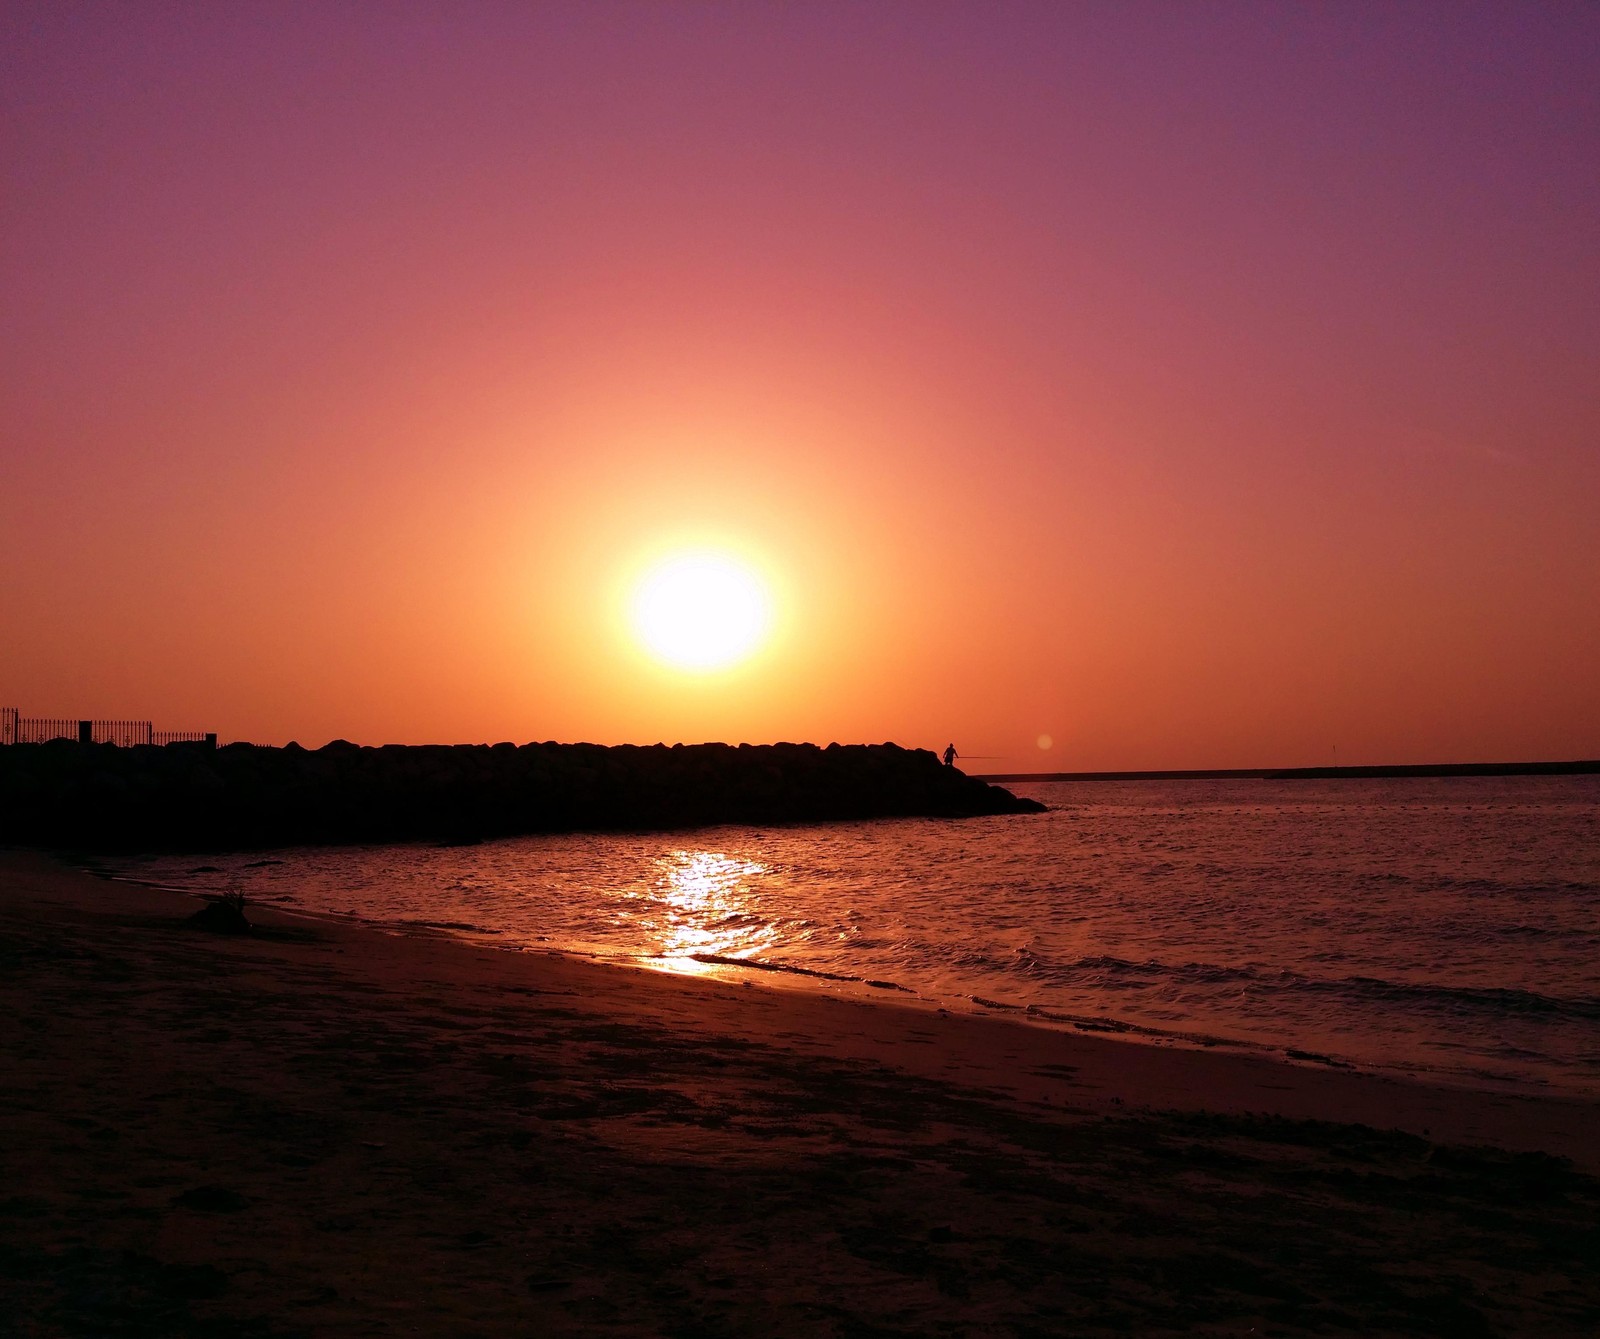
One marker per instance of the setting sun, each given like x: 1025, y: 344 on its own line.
x: 701, y: 611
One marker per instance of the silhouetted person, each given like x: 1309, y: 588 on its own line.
x: 950, y: 755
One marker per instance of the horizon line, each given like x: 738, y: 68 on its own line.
x: 1575, y: 767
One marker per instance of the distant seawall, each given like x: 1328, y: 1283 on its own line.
x: 97, y: 796
x: 1582, y: 767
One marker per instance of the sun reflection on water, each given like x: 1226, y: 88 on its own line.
x: 708, y: 904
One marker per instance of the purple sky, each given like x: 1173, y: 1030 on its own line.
x: 1192, y: 385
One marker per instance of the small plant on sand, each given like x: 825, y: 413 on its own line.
x: 224, y: 913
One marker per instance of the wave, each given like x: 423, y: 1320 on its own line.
x: 1105, y: 971
x: 1455, y: 999
x: 756, y: 964
x: 1507, y: 887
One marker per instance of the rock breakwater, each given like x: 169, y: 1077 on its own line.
x: 95, y: 796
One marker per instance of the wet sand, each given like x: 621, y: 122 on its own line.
x: 324, y: 1129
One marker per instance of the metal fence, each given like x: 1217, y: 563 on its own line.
x: 124, y: 734
x: 16, y: 728
x: 35, y: 730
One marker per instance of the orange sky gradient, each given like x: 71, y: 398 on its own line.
x: 1212, y: 387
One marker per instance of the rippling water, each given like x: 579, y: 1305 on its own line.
x: 1450, y: 926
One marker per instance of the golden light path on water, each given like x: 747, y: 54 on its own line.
x: 702, y: 891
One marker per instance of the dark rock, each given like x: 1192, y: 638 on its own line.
x: 64, y: 794
x: 223, y: 918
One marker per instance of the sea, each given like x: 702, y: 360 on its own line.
x: 1442, y: 928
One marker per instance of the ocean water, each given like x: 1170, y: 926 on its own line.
x: 1446, y: 927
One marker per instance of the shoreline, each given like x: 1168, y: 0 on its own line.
x: 1421, y: 1105
x: 346, y: 1127
x: 859, y: 990
x: 806, y: 982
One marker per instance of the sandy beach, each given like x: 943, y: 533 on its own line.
x: 321, y: 1128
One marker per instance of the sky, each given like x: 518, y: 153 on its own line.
x: 1095, y: 386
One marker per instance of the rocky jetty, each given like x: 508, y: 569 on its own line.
x: 98, y: 796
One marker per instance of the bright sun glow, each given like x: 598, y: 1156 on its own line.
x: 701, y: 611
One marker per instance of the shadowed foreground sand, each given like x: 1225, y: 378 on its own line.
x: 321, y: 1129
